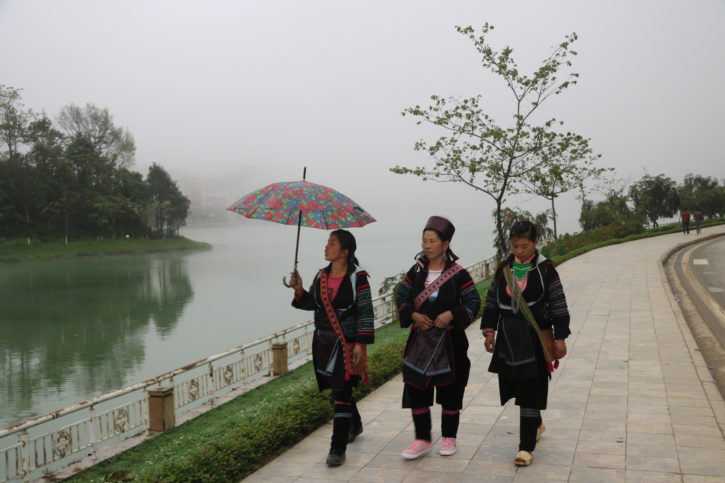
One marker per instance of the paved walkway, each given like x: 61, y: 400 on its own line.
x: 633, y: 400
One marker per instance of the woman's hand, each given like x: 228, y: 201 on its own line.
x: 443, y: 320
x: 422, y: 321
x: 295, y: 282
x: 560, y: 348
x: 489, y: 342
x: 357, y: 354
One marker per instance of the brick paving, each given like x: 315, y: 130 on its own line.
x: 633, y: 401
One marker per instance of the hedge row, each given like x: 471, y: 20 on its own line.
x: 661, y: 230
x: 249, y: 446
x: 227, y: 444
x: 568, y: 243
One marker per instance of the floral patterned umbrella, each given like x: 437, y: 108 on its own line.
x: 317, y: 205
x: 302, y: 203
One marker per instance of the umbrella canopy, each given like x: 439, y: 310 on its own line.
x: 304, y: 204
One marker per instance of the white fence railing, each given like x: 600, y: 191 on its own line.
x: 39, y: 446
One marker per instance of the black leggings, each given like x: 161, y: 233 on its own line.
x: 529, y: 422
x: 346, y: 417
x: 450, y: 397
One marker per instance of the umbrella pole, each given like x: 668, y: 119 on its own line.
x: 297, y: 249
x: 299, y: 226
x: 299, y: 223
x: 297, y: 245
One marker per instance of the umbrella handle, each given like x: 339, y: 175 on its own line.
x: 284, y: 279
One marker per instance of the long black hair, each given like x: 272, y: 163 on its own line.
x: 523, y: 229
x: 347, y: 242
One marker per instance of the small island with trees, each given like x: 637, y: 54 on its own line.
x: 68, y: 189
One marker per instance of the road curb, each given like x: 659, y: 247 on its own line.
x: 707, y: 355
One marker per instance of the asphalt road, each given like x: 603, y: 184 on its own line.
x: 707, y: 263
x: 697, y: 277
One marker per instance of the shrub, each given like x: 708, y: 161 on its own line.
x: 248, y: 447
x: 568, y: 243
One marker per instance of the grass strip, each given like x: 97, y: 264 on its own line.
x: 20, y: 251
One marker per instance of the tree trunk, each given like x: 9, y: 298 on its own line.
x: 27, y: 223
x: 66, y: 219
x: 499, y: 229
x: 553, y: 216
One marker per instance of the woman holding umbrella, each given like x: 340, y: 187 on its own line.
x: 343, y: 314
x: 524, y: 302
x: 437, y: 300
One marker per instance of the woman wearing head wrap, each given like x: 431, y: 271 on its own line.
x: 437, y: 300
x: 525, y: 298
x: 340, y: 297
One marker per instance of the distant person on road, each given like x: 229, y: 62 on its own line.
x: 524, y: 298
x: 437, y: 300
x: 698, y: 219
x: 685, y: 217
x: 340, y: 297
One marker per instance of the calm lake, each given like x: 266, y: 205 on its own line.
x: 74, y: 329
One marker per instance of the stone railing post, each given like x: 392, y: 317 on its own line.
x: 279, y: 358
x: 24, y: 455
x: 161, y: 409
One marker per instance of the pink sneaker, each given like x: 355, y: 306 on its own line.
x: 419, y: 448
x: 448, y: 447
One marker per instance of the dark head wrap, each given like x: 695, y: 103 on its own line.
x: 442, y: 226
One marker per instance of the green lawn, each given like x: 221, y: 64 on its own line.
x: 20, y: 251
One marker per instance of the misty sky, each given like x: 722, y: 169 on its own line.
x: 251, y: 91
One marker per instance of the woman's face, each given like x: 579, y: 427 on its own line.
x: 433, y: 246
x: 334, y: 251
x: 523, y: 248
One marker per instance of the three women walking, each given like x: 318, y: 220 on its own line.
x: 525, y: 323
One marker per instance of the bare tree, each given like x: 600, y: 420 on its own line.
x: 96, y: 125
x: 14, y: 120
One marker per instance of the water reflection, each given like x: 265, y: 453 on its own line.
x: 73, y: 329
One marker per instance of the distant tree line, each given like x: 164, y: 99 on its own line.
x: 653, y: 198
x: 73, y: 179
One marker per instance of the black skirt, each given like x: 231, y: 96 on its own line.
x: 328, y: 363
x: 519, y: 361
x: 448, y: 395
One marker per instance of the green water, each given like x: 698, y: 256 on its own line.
x: 76, y: 328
